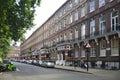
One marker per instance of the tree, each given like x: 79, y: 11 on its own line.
x: 16, y: 16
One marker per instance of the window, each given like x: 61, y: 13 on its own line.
x: 76, y: 1
x: 114, y: 21
x: 57, y: 28
x: 64, y: 22
x: 101, y: 3
x: 71, y: 20
x: 76, y: 33
x: 83, y: 31
x: 76, y: 51
x: 92, y: 5
x: 115, y: 47
x: 102, y: 23
x: 82, y: 11
x: 61, y: 38
x: 92, y: 50
x: 76, y: 15
x: 60, y: 13
x: 110, y: 0
x: 65, y: 37
x: 103, y: 48
x: 57, y: 39
x: 70, y: 4
x: 60, y: 25
x: 70, y: 35
x: 92, y: 27
x: 64, y: 9
x: 83, y: 51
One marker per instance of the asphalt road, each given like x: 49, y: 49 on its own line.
x: 31, y: 72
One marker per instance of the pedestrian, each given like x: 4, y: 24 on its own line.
x: 82, y: 64
x: 75, y: 63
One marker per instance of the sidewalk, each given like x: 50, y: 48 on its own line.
x: 99, y: 72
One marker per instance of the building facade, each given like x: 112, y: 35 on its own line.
x: 63, y: 36
x: 14, y: 53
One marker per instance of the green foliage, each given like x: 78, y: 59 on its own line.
x: 16, y: 16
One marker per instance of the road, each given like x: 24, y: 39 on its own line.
x: 31, y: 72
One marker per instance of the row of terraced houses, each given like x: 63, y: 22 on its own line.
x: 63, y: 36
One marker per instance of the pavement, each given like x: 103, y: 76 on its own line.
x: 114, y: 74
x: 98, y: 72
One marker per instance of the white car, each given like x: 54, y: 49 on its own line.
x: 48, y: 63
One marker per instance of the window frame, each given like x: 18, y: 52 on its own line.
x: 92, y: 5
x: 92, y: 27
x: 101, y: 3
x: 82, y: 11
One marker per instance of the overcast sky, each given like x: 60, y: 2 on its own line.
x: 47, y: 8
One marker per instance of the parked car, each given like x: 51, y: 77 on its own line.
x: 40, y: 62
x: 47, y: 64
x: 35, y: 62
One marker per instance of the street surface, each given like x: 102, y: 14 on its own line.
x: 31, y: 72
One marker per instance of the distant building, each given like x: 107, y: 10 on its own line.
x: 14, y: 52
x: 77, y: 22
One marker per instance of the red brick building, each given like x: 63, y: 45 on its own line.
x: 77, y: 22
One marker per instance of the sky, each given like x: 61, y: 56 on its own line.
x: 46, y: 9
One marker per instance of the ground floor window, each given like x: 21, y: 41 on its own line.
x: 82, y: 51
x: 115, y: 47
x: 76, y: 51
x: 92, y: 49
x: 103, y: 48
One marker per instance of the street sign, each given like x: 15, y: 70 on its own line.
x: 88, y: 45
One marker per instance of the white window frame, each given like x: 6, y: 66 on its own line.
x: 92, y: 27
x: 101, y: 3
x: 82, y: 11
x: 76, y: 33
x: 71, y: 35
x: 110, y: 0
x: 70, y: 4
x: 64, y: 9
x: 65, y: 37
x: 76, y: 14
x: 71, y: 18
x: 102, y: 23
x: 115, y: 47
x: 92, y: 5
x: 83, y: 53
x: 114, y: 18
x: 64, y: 22
x: 60, y: 24
x: 76, y: 1
x: 93, y: 49
x: 60, y: 37
x: 83, y: 31
x: 76, y: 51
x: 102, y: 48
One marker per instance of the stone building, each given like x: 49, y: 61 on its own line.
x: 76, y: 23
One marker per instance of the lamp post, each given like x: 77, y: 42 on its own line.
x: 88, y: 51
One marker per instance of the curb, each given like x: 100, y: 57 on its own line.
x: 74, y: 70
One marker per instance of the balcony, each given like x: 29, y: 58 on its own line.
x: 97, y: 34
x: 102, y: 33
